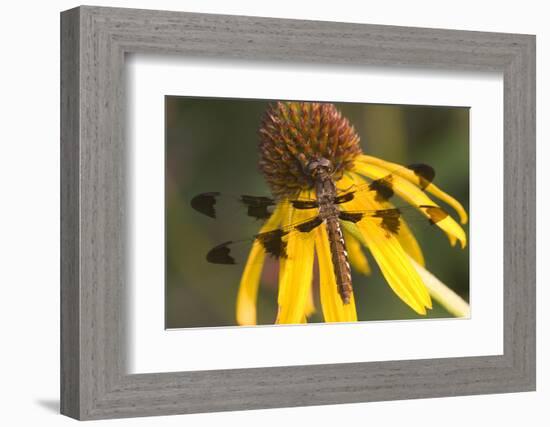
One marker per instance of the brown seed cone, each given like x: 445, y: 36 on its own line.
x: 293, y: 133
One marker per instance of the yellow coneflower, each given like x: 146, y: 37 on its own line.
x: 291, y: 134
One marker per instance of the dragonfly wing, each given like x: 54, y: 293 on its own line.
x: 218, y: 205
x: 274, y: 242
x: 390, y: 219
x: 205, y: 203
x: 221, y: 254
x: 305, y: 204
x: 214, y: 204
x: 383, y: 187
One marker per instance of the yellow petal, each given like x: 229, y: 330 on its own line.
x: 310, y: 304
x: 248, y: 289
x: 390, y: 257
x: 296, y: 273
x: 250, y: 279
x: 409, y: 243
x: 356, y: 256
x: 405, y: 236
x: 410, y: 176
x: 413, y: 195
x: 334, y: 310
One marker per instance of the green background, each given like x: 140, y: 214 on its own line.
x: 211, y: 145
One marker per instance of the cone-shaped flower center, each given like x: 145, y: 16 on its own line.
x: 296, y: 136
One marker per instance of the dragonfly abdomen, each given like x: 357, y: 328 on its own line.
x: 342, y: 270
x: 328, y: 212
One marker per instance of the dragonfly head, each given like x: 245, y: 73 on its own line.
x: 319, y: 167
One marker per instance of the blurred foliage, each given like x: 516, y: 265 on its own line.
x: 211, y: 145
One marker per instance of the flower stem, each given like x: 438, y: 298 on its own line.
x: 444, y: 295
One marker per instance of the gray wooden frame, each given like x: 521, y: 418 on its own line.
x: 94, y: 42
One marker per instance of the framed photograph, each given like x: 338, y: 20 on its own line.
x: 265, y: 228
x: 262, y: 213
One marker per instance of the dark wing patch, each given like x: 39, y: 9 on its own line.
x: 205, y: 203
x: 307, y: 226
x: 347, y: 197
x: 273, y: 242
x: 383, y: 188
x: 258, y: 206
x: 435, y: 213
x: 221, y: 254
x: 425, y: 174
x: 304, y: 204
x: 351, y: 216
x: 391, y: 219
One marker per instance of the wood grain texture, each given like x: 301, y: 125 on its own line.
x: 70, y: 221
x: 94, y: 240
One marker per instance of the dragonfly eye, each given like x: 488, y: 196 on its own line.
x: 315, y: 166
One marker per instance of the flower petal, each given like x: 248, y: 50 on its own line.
x: 296, y: 273
x: 405, y: 236
x: 334, y: 310
x: 248, y: 289
x: 390, y: 257
x: 357, y: 258
x: 410, y: 176
x: 310, y: 304
x: 250, y: 279
x: 409, y: 243
x: 415, y: 196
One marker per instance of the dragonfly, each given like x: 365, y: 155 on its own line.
x: 327, y: 208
